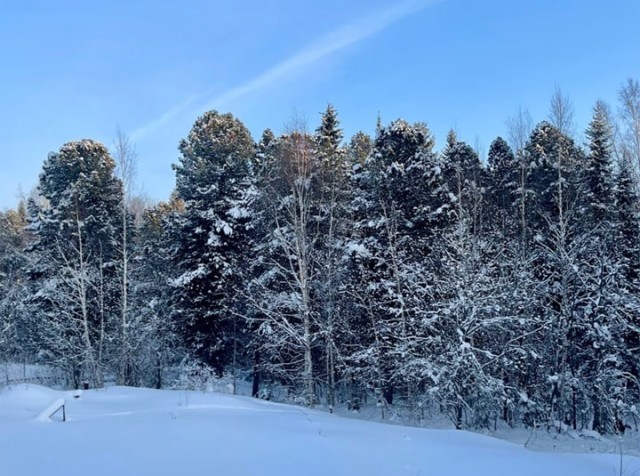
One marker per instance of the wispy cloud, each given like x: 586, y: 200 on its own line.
x: 325, y: 46
x: 164, y: 118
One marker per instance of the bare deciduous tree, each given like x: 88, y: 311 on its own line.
x: 519, y: 127
x: 561, y: 112
x: 282, y: 296
x: 125, y: 156
x: 629, y: 113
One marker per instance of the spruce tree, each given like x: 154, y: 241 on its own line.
x: 333, y: 181
x: 627, y: 249
x: 598, y: 180
x: 627, y: 222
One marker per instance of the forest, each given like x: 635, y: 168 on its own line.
x: 375, y: 268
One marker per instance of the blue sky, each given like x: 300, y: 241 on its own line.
x: 80, y: 69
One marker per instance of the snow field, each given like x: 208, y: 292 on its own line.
x: 126, y: 431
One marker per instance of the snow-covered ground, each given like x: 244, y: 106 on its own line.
x: 552, y: 440
x: 127, y: 431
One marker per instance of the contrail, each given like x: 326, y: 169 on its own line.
x: 321, y: 48
x: 163, y: 118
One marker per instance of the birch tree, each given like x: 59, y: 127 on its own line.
x: 282, y: 293
x: 125, y: 157
x: 629, y: 114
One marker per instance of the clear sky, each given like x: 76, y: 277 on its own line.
x: 80, y: 69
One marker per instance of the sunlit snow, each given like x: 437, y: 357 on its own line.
x: 126, y: 431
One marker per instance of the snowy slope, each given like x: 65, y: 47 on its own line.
x: 124, y: 431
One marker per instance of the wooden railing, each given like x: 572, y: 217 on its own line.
x: 53, y: 409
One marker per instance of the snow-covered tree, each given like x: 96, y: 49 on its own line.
x: 464, y: 177
x: 629, y: 114
x: 359, y: 148
x: 75, y: 257
x: 213, y: 179
x: 502, y: 183
x: 281, y: 292
x: 468, y: 326
x: 125, y: 156
x: 16, y: 339
x: 154, y: 342
x: 597, y: 174
x: 399, y: 207
x: 627, y: 255
x: 332, y: 222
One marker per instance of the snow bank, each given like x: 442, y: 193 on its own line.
x: 26, y: 401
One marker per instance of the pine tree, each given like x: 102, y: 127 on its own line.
x: 154, y: 341
x: 75, y: 256
x: 502, y: 183
x: 464, y: 178
x: 359, y: 148
x: 213, y: 179
x: 399, y: 207
x: 17, y: 342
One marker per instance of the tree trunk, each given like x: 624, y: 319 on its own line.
x: 255, y: 387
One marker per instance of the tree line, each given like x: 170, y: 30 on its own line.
x: 380, y: 268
